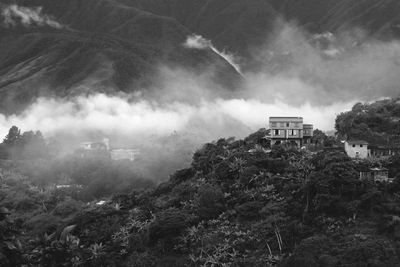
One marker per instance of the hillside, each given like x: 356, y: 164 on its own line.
x: 236, y: 205
x: 101, y: 46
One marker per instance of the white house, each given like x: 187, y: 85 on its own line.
x: 356, y: 149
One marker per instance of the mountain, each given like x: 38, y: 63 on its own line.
x: 99, y: 44
x: 60, y: 47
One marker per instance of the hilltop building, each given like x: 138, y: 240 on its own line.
x: 289, y: 131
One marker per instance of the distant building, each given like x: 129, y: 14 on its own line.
x: 103, y: 145
x: 356, y: 149
x: 93, y: 150
x: 376, y: 175
x: 93, y: 146
x: 124, y: 154
x: 289, y: 131
x: 102, y: 149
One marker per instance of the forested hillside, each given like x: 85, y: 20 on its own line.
x: 239, y: 203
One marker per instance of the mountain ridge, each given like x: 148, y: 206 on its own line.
x: 128, y: 39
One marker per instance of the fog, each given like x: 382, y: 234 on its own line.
x: 296, y: 67
x: 208, y: 119
x: 294, y: 73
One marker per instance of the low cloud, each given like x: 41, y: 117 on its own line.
x: 27, y: 16
x: 205, y: 121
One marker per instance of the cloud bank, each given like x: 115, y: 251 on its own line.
x: 205, y: 121
x: 27, y: 16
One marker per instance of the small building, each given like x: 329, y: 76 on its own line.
x: 382, y: 151
x: 376, y: 174
x: 356, y: 149
x: 124, y: 154
x: 289, y: 131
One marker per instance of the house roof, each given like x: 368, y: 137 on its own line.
x: 379, y: 169
x: 357, y: 142
x: 377, y: 147
x: 299, y: 118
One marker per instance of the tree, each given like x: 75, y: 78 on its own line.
x: 319, y: 137
x: 209, y: 201
x: 13, y: 136
x: 33, y: 145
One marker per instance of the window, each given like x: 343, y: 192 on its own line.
x: 292, y: 132
x: 287, y: 124
x: 361, y: 145
x: 296, y: 124
x: 276, y: 132
x: 273, y: 124
x: 282, y: 124
x: 354, y: 145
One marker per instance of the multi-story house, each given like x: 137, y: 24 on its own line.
x: 289, y: 131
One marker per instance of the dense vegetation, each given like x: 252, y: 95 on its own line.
x: 377, y: 123
x: 239, y: 203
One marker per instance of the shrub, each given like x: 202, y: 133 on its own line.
x: 43, y: 223
x: 182, y: 175
x: 67, y: 207
x: 25, y: 204
x: 209, y: 201
x: 249, y: 210
x: 308, y: 253
x: 168, y: 224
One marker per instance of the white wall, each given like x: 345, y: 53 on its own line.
x: 357, y: 151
